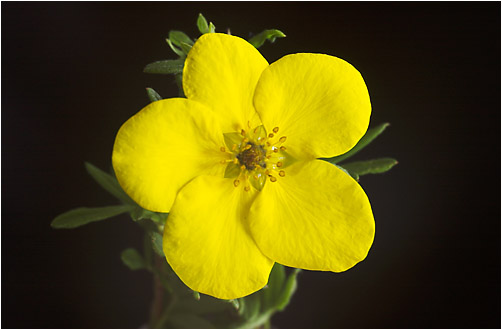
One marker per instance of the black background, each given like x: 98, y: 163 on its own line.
x: 72, y: 74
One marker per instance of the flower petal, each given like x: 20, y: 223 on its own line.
x: 162, y: 147
x: 318, y: 101
x: 315, y: 217
x: 221, y: 71
x: 207, y: 241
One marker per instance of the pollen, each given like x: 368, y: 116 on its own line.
x: 256, y: 155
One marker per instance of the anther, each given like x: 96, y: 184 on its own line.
x: 276, y: 129
x: 283, y: 148
x: 249, y: 124
x: 236, y: 161
x: 273, y: 179
x: 271, y: 135
x: 243, y: 132
x: 222, y: 149
x: 282, y: 173
x: 282, y: 139
x: 275, y: 150
x: 236, y: 183
x: 243, y: 167
x: 247, y: 188
x: 279, y: 164
x: 247, y: 147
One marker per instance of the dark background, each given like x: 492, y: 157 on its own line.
x: 72, y: 74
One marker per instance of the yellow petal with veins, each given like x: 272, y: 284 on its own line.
x: 315, y: 217
x: 318, y: 101
x: 221, y: 71
x: 162, y: 147
x: 207, y: 240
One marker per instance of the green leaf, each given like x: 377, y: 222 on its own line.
x: 252, y: 309
x: 373, y: 166
x: 235, y: 303
x: 132, y: 259
x: 157, y: 243
x: 153, y: 95
x: 288, y: 291
x: 202, y: 24
x: 370, y: 135
x: 140, y: 213
x: 185, y: 48
x: 165, y: 67
x: 84, y: 215
x: 270, y: 35
x: 355, y: 176
x: 274, y: 287
x: 175, y: 49
x: 109, y: 183
x: 178, y: 37
x: 212, y: 28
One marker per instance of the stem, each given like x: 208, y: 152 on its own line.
x: 158, y: 293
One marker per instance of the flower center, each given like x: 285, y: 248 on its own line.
x: 254, y: 157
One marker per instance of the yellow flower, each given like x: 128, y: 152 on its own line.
x: 235, y: 164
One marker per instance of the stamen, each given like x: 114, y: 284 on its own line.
x: 282, y: 173
x: 271, y: 135
x: 247, y: 147
x: 236, y: 161
x: 243, y: 167
x: 222, y: 149
x: 247, y: 188
x: 279, y: 164
x: 236, y: 183
x: 275, y: 149
x: 282, y: 139
x: 273, y: 179
x: 276, y: 129
x: 243, y: 132
x: 283, y: 148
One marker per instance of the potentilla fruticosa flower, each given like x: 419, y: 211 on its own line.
x: 235, y: 165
